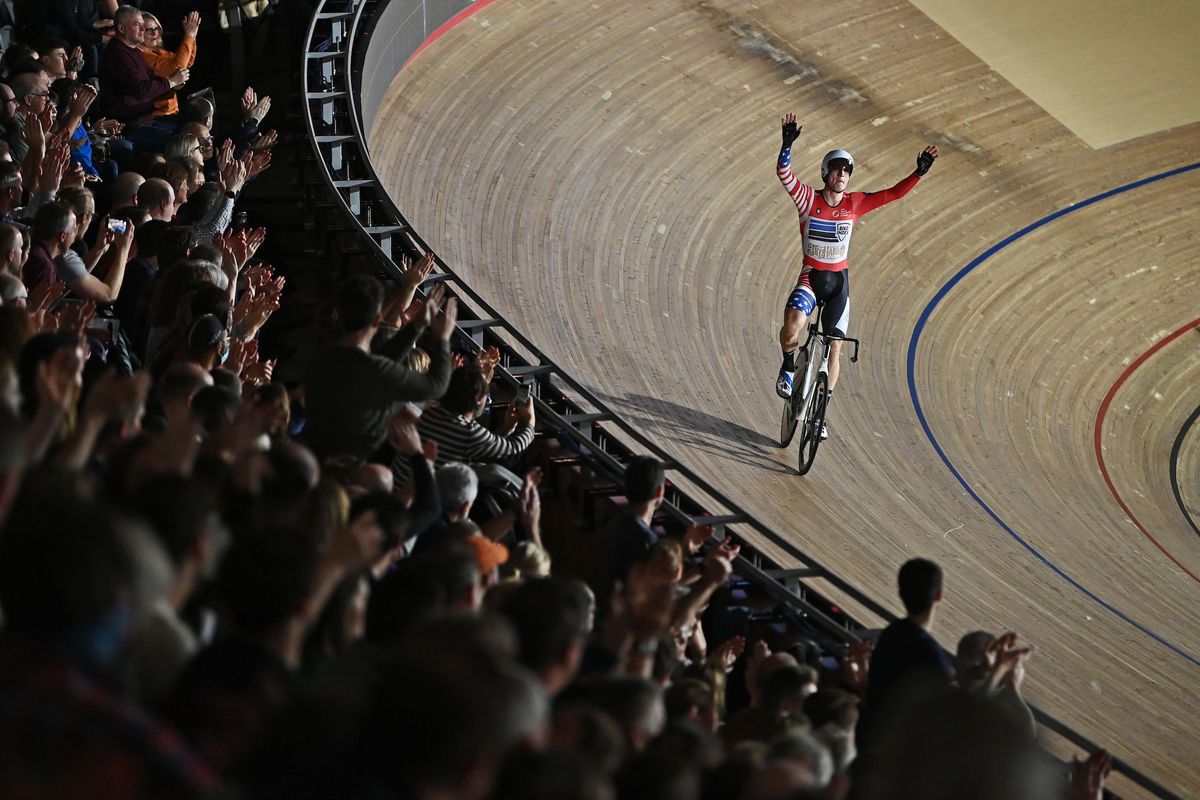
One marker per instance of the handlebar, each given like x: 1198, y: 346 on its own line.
x: 815, y: 330
x: 830, y: 337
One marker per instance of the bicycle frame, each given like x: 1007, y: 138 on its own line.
x: 825, y: 341
x: 805, y: 409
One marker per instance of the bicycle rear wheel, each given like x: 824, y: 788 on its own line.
x: 810, y: 439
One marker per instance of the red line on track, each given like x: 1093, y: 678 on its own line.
x: 1097, y: 436
x: 442, y: 29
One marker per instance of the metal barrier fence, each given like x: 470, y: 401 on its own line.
x: 333, y: 69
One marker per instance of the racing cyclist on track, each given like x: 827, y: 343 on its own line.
x: 826, y: 221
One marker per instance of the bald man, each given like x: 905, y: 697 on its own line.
x: 125, y: 189
x: 157, y: 197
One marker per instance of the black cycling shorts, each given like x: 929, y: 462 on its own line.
x: 828, y: 287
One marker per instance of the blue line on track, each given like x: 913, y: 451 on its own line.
x: 914, y: 342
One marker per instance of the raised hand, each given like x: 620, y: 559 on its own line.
x: 76, y: 176
x: 531, y: 503
x: 403, y: 435
x: 233, y: 175
x: 264, y: 141
x: 260, y: 161
x: 258, y: 373
x: 791, y: 131
x: 108, y: 127
x: 83, y: 99
x: 249, y: 98
x: 35, y: 132
x: 486, y: 360
x: 74, y: 317
x: 53, y: 167
x: 249, y: 242
x: 225, y: 155
x: 718, y: 564
x: 416, y: 274
x: 1007, y: 660
x: 926, y: 158
x: 728, y: 653
x: 45, y: 295
x: 107, y: 236
x: 241, y: 353
x: 191, y: 23
x: 443, y: 326
x: 260, y: 109
x: 695, y: 537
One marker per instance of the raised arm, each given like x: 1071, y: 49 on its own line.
x: 873, y: 200
x: 801, y: 194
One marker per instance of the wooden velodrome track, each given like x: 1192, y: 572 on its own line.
x: 604, y: 173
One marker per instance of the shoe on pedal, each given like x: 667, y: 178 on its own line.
x: 783, y: 384
x: 824, y: 432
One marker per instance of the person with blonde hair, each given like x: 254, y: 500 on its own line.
x: 165, y: 62
x: 184, y: 147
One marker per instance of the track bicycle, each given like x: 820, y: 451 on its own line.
x: 805, y: 409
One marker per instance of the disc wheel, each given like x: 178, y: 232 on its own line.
x: 810, y: 437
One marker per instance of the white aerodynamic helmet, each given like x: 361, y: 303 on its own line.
x: 834, y: 155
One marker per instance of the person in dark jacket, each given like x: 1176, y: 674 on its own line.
x: 129, y: 87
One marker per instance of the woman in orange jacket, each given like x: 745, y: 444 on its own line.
x: 164, y: 62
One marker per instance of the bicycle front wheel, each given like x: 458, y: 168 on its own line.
x: 814, y: 420
x: 787, y: 425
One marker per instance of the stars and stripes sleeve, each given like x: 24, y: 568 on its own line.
x: 801, y: 194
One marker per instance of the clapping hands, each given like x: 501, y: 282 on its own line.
x: 254, y: 107
x: 1006, y: 658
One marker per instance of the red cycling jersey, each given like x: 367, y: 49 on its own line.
x: 825, y: 229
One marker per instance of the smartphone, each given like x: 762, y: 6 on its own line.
x: 118, y: 225
x: 524, y: 393
x: 104, y: 325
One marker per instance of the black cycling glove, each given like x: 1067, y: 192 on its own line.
x: 791, y: 132
x: 924, y: 162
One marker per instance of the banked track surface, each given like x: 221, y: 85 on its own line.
x: 605, y: 176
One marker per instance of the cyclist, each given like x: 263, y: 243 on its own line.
x: 826, y: 222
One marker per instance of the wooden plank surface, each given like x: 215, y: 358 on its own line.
x: 605, y: 173
x: 1107, y: 70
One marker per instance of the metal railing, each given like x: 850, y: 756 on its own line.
x: 565, y: 407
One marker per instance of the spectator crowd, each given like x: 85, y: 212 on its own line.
x: 217, y: 583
